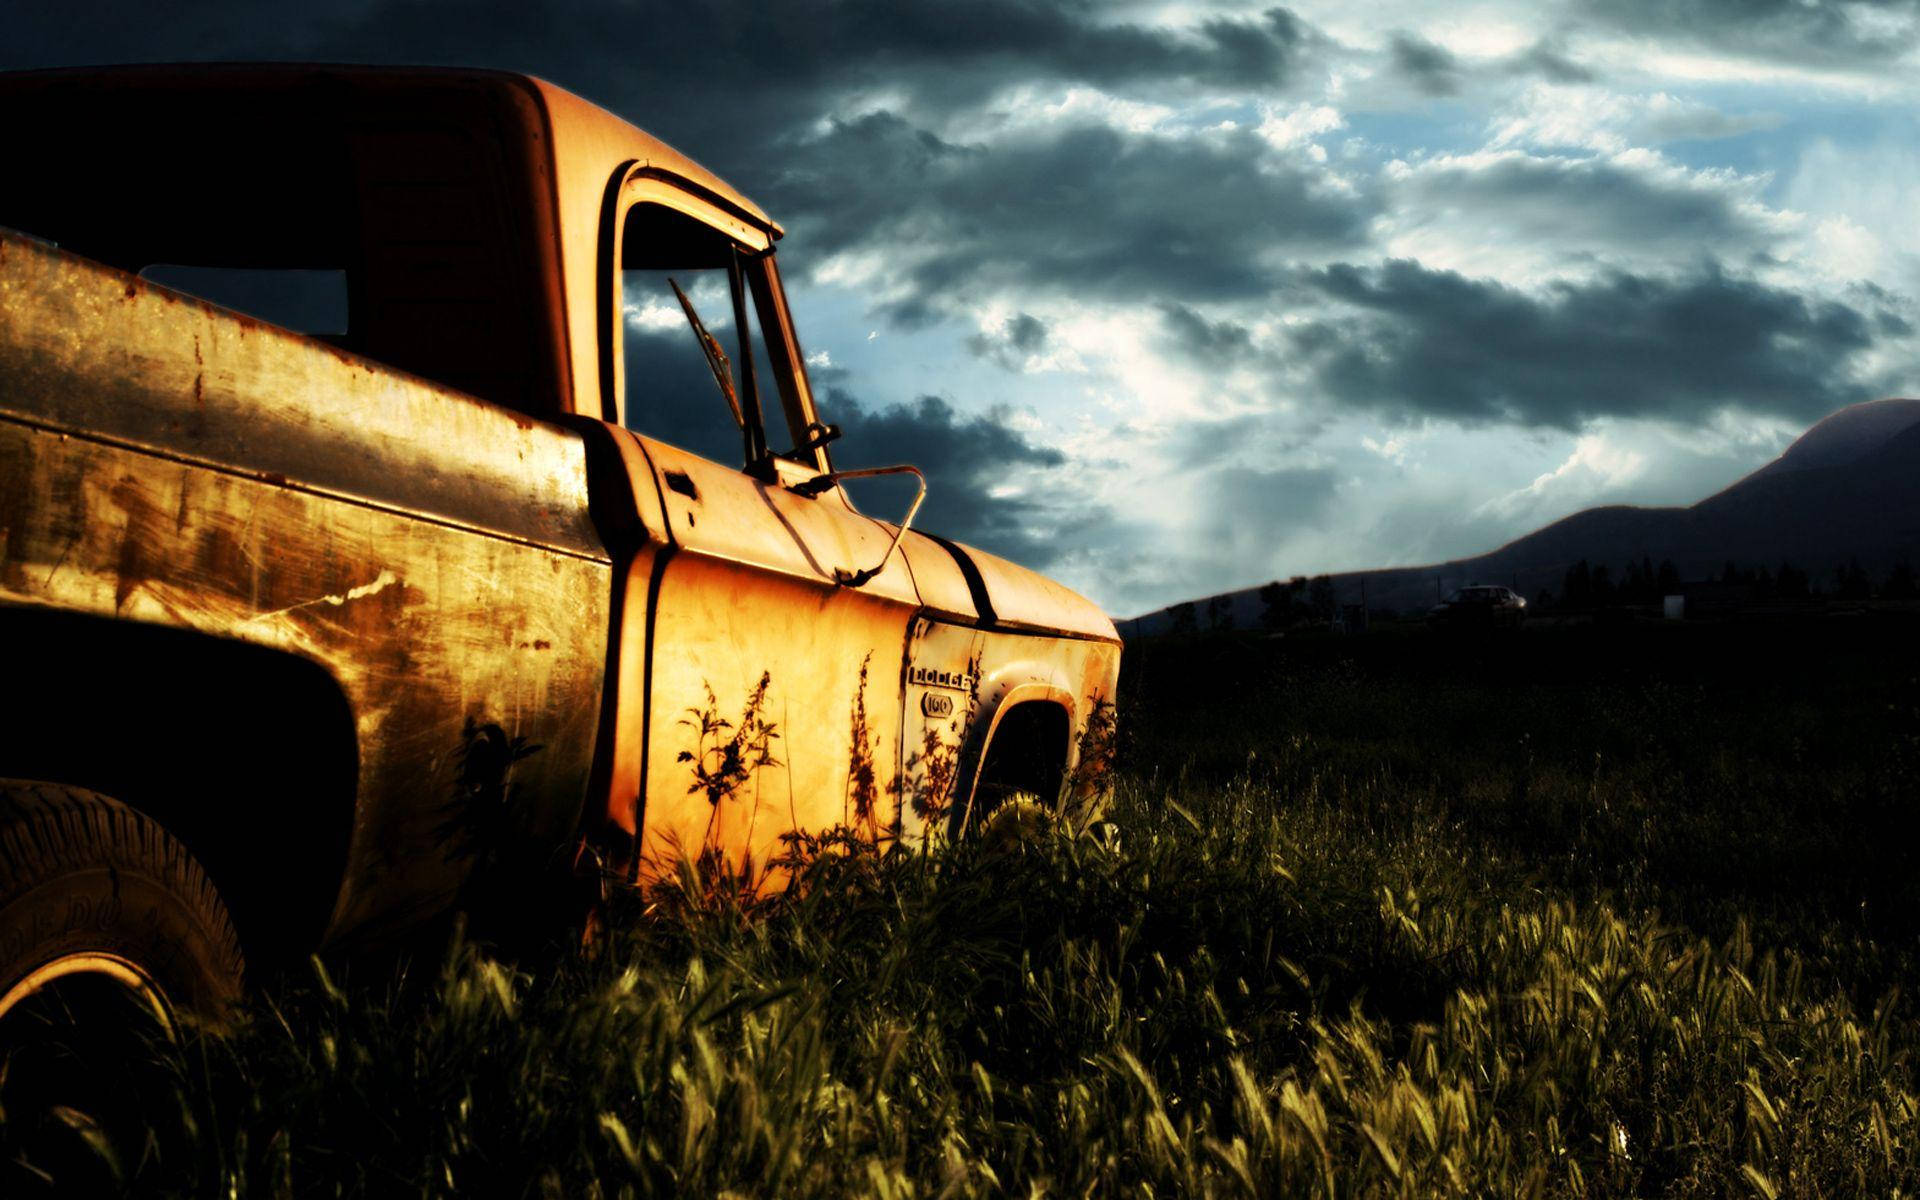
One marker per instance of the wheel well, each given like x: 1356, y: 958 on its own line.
x: 1027, y: 752
x: 248, y: 755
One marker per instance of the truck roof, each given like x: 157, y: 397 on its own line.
x: 580, y: 128
x: 574, y: 118
x: 450, y: 183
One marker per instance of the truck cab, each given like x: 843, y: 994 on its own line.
x: 411, y: 485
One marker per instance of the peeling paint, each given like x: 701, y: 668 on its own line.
x: 381, y: 583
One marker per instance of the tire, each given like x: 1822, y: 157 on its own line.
x: 90, y: 886
x: 1014, y: 819
x: 110, y: 935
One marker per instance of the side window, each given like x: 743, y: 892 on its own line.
x: 671, y: 393
x: 305, y: 301
x: 391, y: 224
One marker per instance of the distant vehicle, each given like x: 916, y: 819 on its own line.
x: 1482, y: 606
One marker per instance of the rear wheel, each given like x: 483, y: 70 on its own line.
x: 111, y: 936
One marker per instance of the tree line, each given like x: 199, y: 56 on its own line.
x: 1299, y: 600
x: 1302, y: 600
x: 1588, y: 585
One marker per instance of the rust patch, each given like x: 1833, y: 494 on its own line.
x: 140, y: 542
x: 221, y: 555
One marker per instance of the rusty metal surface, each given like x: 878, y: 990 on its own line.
x: 748, y: 595
x: 653, y: 643
x: 1028, y: 601
x: 165, y: 462
x: 975, y: 676
x: 432, y: 186
x: 91, y: 350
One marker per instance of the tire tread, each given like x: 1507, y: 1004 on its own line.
x: 47, y: 829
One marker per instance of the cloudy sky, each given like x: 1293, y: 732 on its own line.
x: 1173, y: 298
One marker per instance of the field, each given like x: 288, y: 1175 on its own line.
x: 1572, y: 912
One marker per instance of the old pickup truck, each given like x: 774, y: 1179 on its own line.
x: 411, y: 492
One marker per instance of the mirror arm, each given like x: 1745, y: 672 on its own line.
x: 823, y: 483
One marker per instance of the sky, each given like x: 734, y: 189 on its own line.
x: 1171, y: 298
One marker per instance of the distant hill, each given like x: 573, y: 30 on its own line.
x: 1849, y: 487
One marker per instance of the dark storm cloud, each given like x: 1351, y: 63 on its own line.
x: 1429, y: 67
x: 1832, y: 32
x: 728, y: 41
x: 1548, y: 58
x: 729, y: 77
x: 1090, y: 210
x: 672, y: 396
x: 965, y: 459
x: 1583, y: 206
x: 1024, y: 336
x: 1203, y: 340
x: 1419, y: 342
x: 745, y: 87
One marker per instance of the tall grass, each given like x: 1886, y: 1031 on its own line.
x: 1394, y: 957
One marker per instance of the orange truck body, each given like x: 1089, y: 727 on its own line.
x: 372, y: 621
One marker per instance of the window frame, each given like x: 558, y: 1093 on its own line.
x: 639, y: 185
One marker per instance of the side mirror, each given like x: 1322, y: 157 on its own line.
x: 823, y: 483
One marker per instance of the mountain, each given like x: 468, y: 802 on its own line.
x: 1849, y: 487
x: 1848, y: 435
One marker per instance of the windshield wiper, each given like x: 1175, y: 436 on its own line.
x: 717, y: 360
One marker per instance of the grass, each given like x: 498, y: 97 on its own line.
x: 1574, y: 913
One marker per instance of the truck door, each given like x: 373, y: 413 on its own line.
x: 774, y: 690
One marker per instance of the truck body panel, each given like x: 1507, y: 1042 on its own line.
x: 962, y: 681
x: 163, y: 461
x: 559, y: 640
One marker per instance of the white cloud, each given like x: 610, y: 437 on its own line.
x: 1596, y: 466
x: 1533, y: 219
x: 654, y: 315
x: 1871, y: 188
x: 1596, y: 118
x: 1396, y: 447
x: 1296, y: 126
x: 1480, y: 34
x: 1534, y: 184
x: 1649, y: 59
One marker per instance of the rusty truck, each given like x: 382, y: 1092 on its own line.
x: 412, y: 491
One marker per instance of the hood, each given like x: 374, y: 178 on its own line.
x: 987, y: 590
